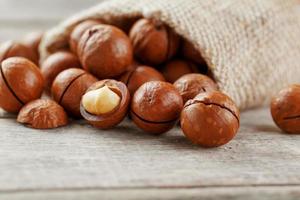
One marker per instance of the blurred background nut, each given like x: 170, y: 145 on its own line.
x: 153, y: 42
x: 189, y: 52
x: 20, y: 82
x: 105, y: 51
x: 15, y: 49
x: 156, y: 107
x: 285, y: 109
x: 190, y: 85
x: 68, y: 88
x: 140, y: 75
x: 78, y: 31
x: 105, y: 104
x: 42, y: 114
x: 32, y: 41
x: 57, y: 63
x: 175, y: 69
x: 211, y: 119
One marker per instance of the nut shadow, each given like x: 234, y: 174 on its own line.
x: 174, y: 138
x: 266, y: 128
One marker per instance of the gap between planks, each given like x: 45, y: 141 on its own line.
x: 152, y: 187
x: 245, y: 193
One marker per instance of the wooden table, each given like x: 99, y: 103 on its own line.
x: 81, y: 162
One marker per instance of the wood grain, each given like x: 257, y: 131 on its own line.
x: 79, y: 156
x: 227, y: 193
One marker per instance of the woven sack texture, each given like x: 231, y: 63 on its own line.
x: 251, y: 46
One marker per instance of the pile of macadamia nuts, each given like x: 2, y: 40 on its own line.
x: 151, y: 73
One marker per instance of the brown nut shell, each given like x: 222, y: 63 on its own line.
x: 175, y: 69
x: 124, y: 76
x: 153, y: 42
x: 189, y: 52
x: 42, y: 114
x: 8, y: 100
x: 155, y: 128
x: 68, y: 88
x: 156, y: 107
x: 56, y: 63
x: 105, y: 51
x: 16, y: 49
x: 32, y: 41
x: 140, y: 75
x: 113, y: 118
x: 21, y: 82
x: 285, y: 109
x: 190, y: 85
x: 78, y: 31
x: 211, y: 119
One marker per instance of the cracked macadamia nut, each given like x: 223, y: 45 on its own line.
x: 153, y: 42
x: 42, y: 114
x: 175, y: 69
x: 20, y: 82
x: 105, y: 104
x: 78, y: 31
x: 211, y: 119
x: 285, y: 109
x: 57, y: 63
x: 68, y: 88
x: 16, y: 49
x: 190, y: 85
x: 105, y: 51
x: 156, y: 107
x: 140, y: 75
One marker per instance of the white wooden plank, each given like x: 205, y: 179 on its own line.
x: 224, y: 193
x: 79, y: 156
x: 41, y: 10
x: 20, y: 17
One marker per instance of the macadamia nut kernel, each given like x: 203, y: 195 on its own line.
x: 100, y: 101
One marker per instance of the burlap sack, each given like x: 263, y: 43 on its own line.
x: 251, y: 46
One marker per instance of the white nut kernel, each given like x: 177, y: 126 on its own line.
x: 100, y: 101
